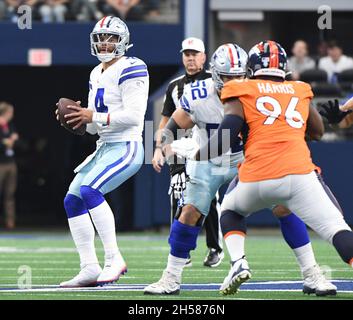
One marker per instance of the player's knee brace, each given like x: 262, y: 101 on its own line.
x: 232, y: 221
x: 74, y: 206
x: 294, y: 231
x: 91, y: 197
x: 182, y: 239
x: 343, y: 242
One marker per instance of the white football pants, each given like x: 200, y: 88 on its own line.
x: 306, y: 195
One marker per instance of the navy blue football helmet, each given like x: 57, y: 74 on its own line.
x: 267, y: 58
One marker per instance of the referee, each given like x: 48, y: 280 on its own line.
x: 194, y: 58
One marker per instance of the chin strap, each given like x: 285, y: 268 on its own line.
x: 105, y: 57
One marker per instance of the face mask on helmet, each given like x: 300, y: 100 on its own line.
x: 109, y: 39
x: 228, y: 60
x: 267, y: 58
x: 105, y: 46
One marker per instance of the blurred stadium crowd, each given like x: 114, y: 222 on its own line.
x: 61, y: 11
x: 329, y: 71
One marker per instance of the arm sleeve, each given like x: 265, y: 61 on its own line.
x: 134, y: 94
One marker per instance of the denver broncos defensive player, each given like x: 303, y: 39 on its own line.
x: 117, y: 101
x: 278, y: 168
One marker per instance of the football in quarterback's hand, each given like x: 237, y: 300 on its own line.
x: 63, y: 110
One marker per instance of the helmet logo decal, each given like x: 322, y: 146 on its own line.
x: 265, y: 61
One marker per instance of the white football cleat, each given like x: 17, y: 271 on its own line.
x: 167, y: 284
x: 114, y: 267
x: 315, y: 282
x: 87, y: 277
x: 238, y: 274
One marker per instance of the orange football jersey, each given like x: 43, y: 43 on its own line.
x: 276, y: 114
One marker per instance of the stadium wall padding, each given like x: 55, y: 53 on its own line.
x: 157, y: 44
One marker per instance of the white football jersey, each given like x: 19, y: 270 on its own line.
x: 201, y: 101
x: 122, y: 92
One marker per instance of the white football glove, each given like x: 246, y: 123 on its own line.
x: 177, y: 185
x: 185, y: 148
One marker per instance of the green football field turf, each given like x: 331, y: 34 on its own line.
x: 50, y: 258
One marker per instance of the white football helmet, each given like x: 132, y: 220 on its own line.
x: 230, y: 60
x: 114, y: 28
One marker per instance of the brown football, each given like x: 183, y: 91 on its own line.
x: 63, y: 110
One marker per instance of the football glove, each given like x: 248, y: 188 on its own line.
x: 177, y: 185
x: 185, y: 148
x: 331, y: 111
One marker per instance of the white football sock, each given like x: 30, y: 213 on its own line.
x: 235, y: 243
x: 175, y: 265
x: 103, y: 219
x: 305, y: 257
x: 83, y: 233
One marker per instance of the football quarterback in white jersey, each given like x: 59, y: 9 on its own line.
x: 118, y: 92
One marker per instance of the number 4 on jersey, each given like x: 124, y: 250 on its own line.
x: 99, y: 101
x: 293, y: 117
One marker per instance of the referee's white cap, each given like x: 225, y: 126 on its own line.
x: 193, y: 44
